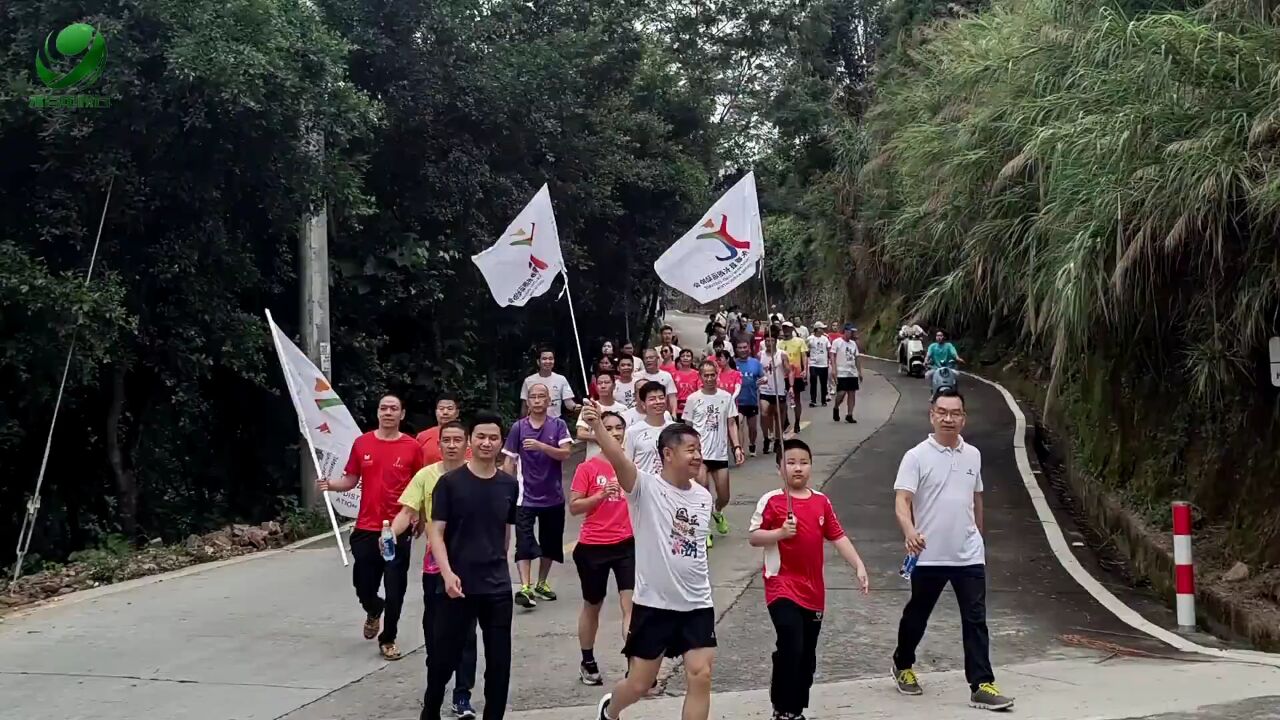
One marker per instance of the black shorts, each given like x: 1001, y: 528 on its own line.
x: 799, y: 384
x: 549, y: 542
x: 749, y: 410
x: 655, y: 633
x: 849, y: 384
x: 714, y: 465
x: 773, y: 399
x: 595, y: 562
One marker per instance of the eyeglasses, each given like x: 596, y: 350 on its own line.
x: 948, y: 414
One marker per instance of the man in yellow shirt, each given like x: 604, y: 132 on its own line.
x: 415, y: 510
x: 797, y: 351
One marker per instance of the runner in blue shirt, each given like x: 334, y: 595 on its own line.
x: 749, y: 394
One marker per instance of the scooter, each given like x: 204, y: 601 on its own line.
x: 911, y: 360
x: 943, y: 377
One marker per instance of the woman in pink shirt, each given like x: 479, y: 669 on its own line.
x: 605, y: 544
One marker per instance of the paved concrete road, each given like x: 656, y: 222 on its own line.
x: 278, y: 635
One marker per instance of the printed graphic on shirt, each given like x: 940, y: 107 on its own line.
x: 684, y: 535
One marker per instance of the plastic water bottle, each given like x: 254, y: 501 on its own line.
x: 908, y: 566
x: 387, y: 542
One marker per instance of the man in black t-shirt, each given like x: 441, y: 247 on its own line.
x: 473, y: 509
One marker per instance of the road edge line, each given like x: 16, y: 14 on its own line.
x: 1062, y: 551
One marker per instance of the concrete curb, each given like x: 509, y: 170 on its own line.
x: 108, y: 590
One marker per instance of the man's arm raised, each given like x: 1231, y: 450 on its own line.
x: 609, y: 447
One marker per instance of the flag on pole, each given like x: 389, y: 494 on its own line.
x: 722, y: 251
x: 525, y: 261
x: 322, y: 418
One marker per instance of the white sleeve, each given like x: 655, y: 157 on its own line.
x: 908, y: 473
x: 629, y: 445
x: 524, y: 389
x: 567, y: 393
x: 977, y: 486
x: 733, y: 407
x: 757, y: 515
x: 637, y: 490
x: 670, y: 384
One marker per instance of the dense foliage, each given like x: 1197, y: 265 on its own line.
x: 1102, y: 184
x: 440, y: 118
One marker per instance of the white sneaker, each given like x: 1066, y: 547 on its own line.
x: 603, y: 708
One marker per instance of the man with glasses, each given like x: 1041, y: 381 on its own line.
x: 939, y: 508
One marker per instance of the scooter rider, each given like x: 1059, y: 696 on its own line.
x: 941, y: 352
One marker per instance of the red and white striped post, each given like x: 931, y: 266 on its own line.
x: 1184, y: 572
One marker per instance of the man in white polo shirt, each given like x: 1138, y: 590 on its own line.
x: 939, y: 507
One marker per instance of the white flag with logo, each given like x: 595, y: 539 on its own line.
x: 722, y: 251
x: 322, y: 418
x: 526, y: 259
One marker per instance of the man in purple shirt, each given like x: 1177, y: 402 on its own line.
x: 536, y: 446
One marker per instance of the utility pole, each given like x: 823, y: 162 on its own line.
x: 313, y: 251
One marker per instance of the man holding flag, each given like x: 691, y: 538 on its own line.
x: 384, y: 461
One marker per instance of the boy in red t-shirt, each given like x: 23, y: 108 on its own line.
x: 382, y: 462
x: 792, y: 535
x: 605, y: 544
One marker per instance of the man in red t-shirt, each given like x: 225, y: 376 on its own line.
x: 791, y: 525
x: 605, y: 544
x: 382, y: 462
x: 429, y: 439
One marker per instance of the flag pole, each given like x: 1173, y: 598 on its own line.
x: 306, y: 435
x: 782, y: 474
x: 577, y: 339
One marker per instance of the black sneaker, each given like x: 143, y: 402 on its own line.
x: 835, y: 414
x: 752, y: 448
x: 907, y: 682
x: 602, y: 709
x: 813, y: 404
x: 765, y: 450
x: 849, y: 419
x: 988, y: 697
x: 590, y: 674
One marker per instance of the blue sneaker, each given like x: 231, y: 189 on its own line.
x: 462, y: 709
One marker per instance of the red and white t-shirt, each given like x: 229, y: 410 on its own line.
x: 730, y: 381
x: 793, y: 567
x: 687, y: 383
x: 384, y: 467
x: 609, y: 522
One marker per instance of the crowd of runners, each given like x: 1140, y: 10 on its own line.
x: 662, y: 430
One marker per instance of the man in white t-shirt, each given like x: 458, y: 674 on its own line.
x: 653, y: 373
x: 847, y: 360
x: 608, y: 403
x: 557, y: 384
x: 641, y: 438
x: 819, y: 364
x: 672, y: 613
x: 624, y: 385
x: 939, y: 508
x: 773, y: 392
x: 713, y: 413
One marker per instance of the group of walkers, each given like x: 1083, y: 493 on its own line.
x: 652, y: 492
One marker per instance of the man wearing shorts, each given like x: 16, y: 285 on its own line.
x: 535, y: 448
x: 773, y: 391
x: 605, y: 546
x: 711, y: 411
x: 847, y: 361
x: 748, y: 394
x: 673, y: 615
x: 797, y: 351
